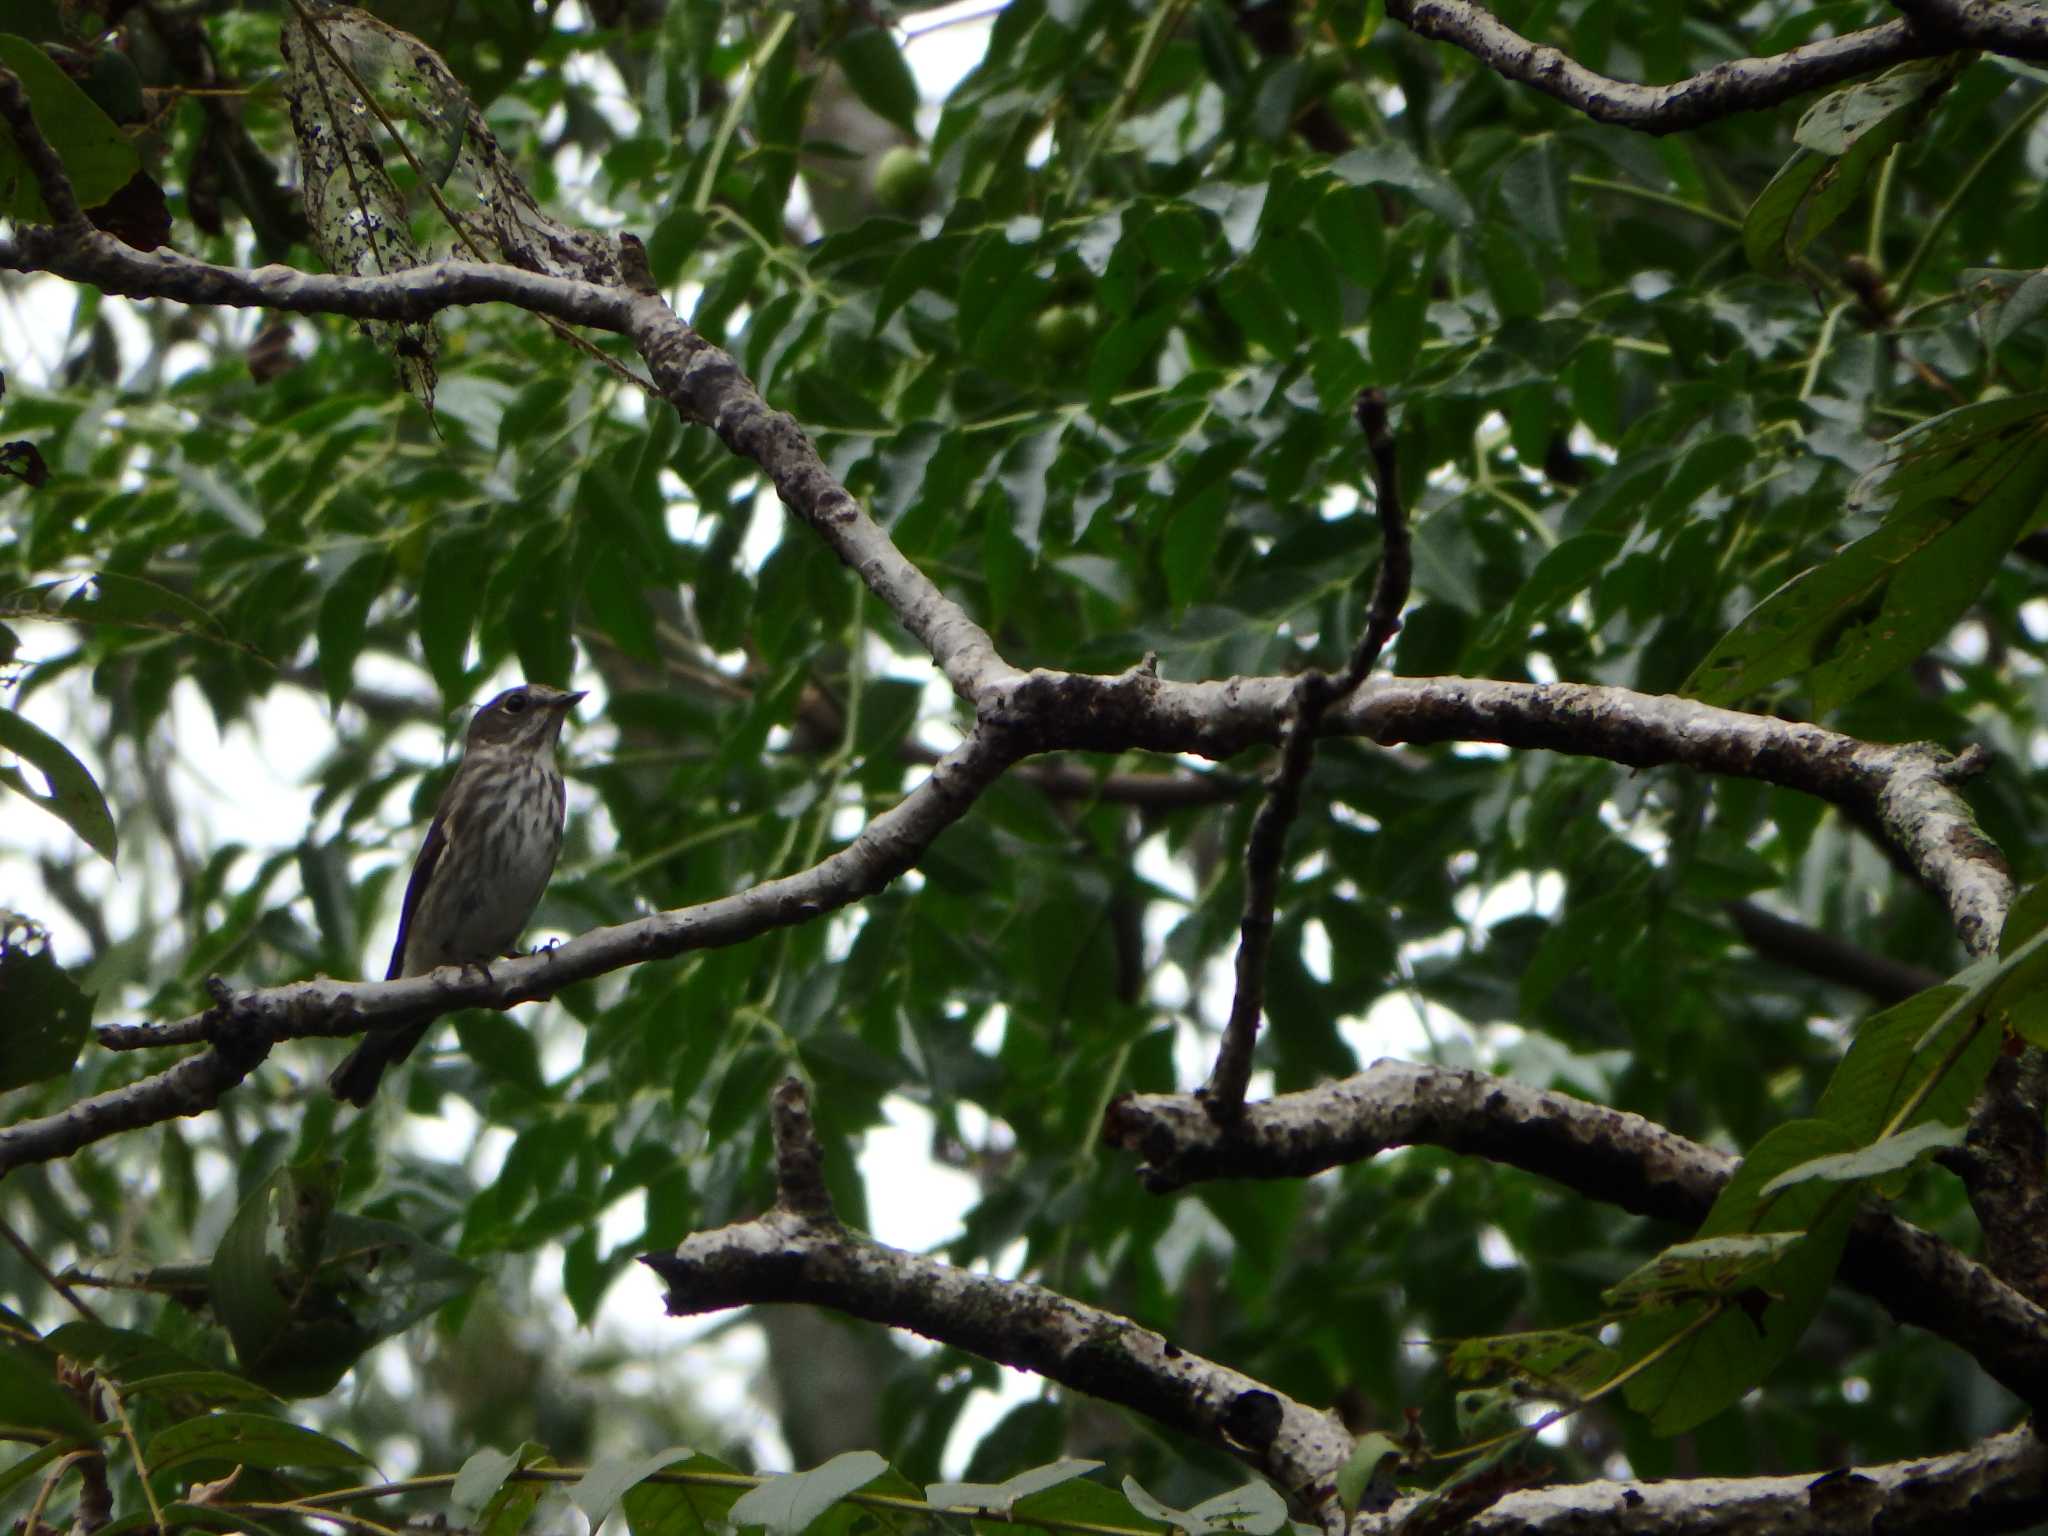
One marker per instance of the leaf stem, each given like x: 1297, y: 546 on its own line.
x: 728, y: 125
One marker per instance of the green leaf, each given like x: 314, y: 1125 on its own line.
x: 30, y: 1398
x: 97, y: 156
x: 1560, y: 1360
x: 1083, y: 1502
x: 1743, y: 1342
x: 1889, y: 1155
x: 2027, y: 916
x: 1001, y: 1498
x: 16, y: 1473
x: 344, y: 610
x: 1561, y: 575
x: 1254, y: 1508
x: 1887, y: 1062
x: 69, y: 792
x: 479, y: 1478
x: 1844, y: 118
x: 1025, y: 481
x: 182, y: 1516
x: 1767, y: 227
x: 251, y: 1439
x: 243, y: 1278
x: 202, y: 1386
x: 2025, y: 305
x: 879, y: 76
x: 609, y: 1480
x: 504, y: 1050
x: 1705, y: 1267
x: 1843, y: 138
x: 1189, y: 549
x: 1391, y: 163
x: 677, y: 1509
x: 1365, y: 1482
x: 786, y: 1505
x: 1991, y: 987
x: 1963, y: 487
x: 48, y: 1016
x: 451, y: 595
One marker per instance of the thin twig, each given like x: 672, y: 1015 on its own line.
x: 113, y: 1397
x: 1738, y: 85
x: 50, y: 1278
x: 1314, y: 693
x: 799, y: 1159
x: 43, y: 161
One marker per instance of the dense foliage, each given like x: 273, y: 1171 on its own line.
x: 1094, y: 377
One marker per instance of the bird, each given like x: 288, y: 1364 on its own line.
x: 486, y: 860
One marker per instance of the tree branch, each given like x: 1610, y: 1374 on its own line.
x: 796, y: 1254
x: 1314, y: 693
x: 1908, y: 788
x: 890, y: 844
x: 788, y: 1256
x: 1605, y: 1154
x: 1997, y: 26
x: 1740, y: 85
x: 43, y: 163
x: 706, y: 385
x: 1827, y: 957
x: 1998, y: 1485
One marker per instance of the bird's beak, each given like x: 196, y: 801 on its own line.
x: 570, y: 700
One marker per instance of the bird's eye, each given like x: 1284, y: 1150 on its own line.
x: 515, y: 703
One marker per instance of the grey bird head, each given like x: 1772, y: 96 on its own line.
x: 525, y: 719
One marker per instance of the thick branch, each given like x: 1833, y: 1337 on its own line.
x: 2000, y: 1485
x: 1997, y: 26
x: 1604, y: 1154
x: 798, y: 1252
x: 1907, y: 787
x: 1740, y: 85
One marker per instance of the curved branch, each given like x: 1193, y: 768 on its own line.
x: 1604, y: 1154
x: 1909, y: 788
x: 799, y: 1252
x: 1740, y: 85
x: 887, y: 846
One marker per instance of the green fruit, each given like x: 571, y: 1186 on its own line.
x: 1063, y: 329
x: 903, y: 180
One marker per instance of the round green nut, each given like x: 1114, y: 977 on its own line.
x: 1063, y: 330
x: 903, y: 180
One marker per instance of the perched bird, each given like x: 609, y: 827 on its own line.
x: 485, y: 862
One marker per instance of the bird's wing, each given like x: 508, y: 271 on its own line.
x: 415, y: 888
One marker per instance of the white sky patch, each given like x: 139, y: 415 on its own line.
x: 1315, y: 950
x: 1495, y: 1251
x: 1519, y: 893
x: 914, y: 1203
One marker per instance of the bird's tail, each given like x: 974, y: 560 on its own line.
x: 355, y: 1080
